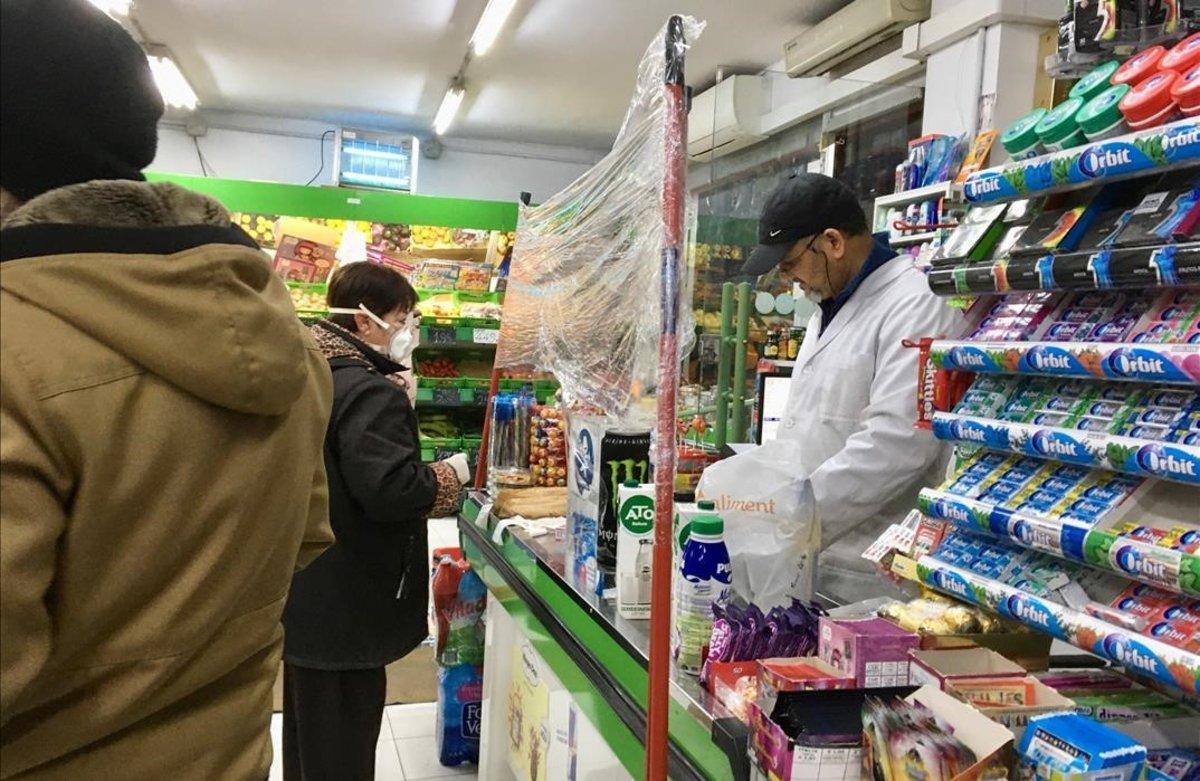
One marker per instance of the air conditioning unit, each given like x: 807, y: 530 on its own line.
x: 849, y: 32
x: 726, y: 118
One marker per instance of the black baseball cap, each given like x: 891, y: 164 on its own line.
x: 804, y: 204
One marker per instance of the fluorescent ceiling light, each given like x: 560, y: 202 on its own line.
x: 172, y: 83
x: 495, y: 13
x: 445, y: 113
x: 114, y: 7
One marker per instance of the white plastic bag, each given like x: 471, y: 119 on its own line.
x: 770, y: 528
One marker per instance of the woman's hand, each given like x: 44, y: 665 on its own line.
x: 461, y: 467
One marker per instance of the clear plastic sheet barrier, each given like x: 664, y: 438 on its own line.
x: 584, y: 282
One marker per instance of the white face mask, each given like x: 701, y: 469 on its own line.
x: 402, y: 339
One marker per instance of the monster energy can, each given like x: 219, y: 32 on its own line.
x: 624, y: 455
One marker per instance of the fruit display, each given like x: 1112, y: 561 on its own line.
x: 363, y: 226
x: 548, y: 446
x: 440, y: 425
x: 440, y: 305
x: 504, y: 242
x: 705, y: 253
x: 260, y: 227
x: 440, y: 367
x: 484, y: 310
x: 309, y: 299
x: 391, y: 237
x: 438, y: 237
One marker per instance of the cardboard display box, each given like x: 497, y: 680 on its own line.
x: 937, y: 668
x: 873, y: 650
x: 1016, y: 717
x: 807, y: 673
x: 1031, y: 650
x: 992, y: 743
x: 813, y: 735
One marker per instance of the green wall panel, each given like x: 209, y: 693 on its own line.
x: 348, y: 204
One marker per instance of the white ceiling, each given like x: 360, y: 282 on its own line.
x: 560, y: 73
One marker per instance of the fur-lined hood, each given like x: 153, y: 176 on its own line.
x: 160, y: 274
x: 120, y: 204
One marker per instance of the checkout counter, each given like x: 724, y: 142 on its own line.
x: 564, y: 691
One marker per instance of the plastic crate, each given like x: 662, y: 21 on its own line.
x: 471, y: 446
x: 437, y: 448
x: 445, y: 393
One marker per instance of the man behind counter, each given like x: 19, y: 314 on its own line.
x: 852, y: 399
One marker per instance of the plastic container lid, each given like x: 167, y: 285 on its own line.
x: 1150, y: 98
x: 1022, y: 134
x: 1060, y: 123
x: 1103, y: 111
x: 1184, y: 56
x: 1186, y: 90
x: 707, y: 525
x: 631, y: 483
x: 1140, y: 66
x: 706, y: 504
x: 1096, y: 81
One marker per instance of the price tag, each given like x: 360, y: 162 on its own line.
x: 446, y: 396
x: 486, y: 335
x: 439, y: 334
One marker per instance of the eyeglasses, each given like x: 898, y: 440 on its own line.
x: 791, y: 262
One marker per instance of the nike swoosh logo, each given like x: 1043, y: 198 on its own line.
x: 773, y: 234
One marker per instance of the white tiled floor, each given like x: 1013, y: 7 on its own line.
x: 406, y: 750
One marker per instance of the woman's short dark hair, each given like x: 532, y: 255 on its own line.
x: 378, y: 288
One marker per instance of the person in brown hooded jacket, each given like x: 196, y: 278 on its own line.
x: 162, y: 415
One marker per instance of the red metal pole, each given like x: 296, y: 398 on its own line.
x: 481, y: 460
x: 674, y: 180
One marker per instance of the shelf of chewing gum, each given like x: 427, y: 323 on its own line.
x: 1074, y: 397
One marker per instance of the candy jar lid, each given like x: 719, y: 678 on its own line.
x: 1150, y: 98
x: 1102, y: 111
x: 1022, y: 134
x: 1060, y: 123
x: 1186, y: 90
x: 1184, y: 56
x: 1140, y: 66
x: 1096, y: 81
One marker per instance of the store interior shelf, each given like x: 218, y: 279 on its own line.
x: 916, y: 195
x: 915, y: 238
x: 445, y: 335
x: 1155, y: 565
x: 1173, y: 145
x: 477, y: 254
x: 1136, y: 653
x: 773, y: 364
x: 1130, y: 455
x: 1175, y: 364
x: 1144, y: 268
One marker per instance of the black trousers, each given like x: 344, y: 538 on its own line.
x: 331, y: 723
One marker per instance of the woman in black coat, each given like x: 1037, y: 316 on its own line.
x: 362, y: 604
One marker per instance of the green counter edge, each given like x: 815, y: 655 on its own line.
x: 688, y: 734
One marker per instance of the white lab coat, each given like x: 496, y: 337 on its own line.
x: 852, y: 405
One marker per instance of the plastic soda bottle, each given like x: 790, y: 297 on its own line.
x: 704, y: 577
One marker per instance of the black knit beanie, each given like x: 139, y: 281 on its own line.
x: 77, y: 100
